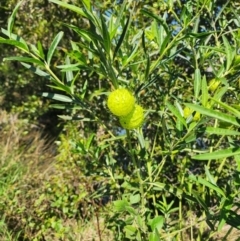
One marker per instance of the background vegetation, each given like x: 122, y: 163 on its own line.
x: 82, y: 177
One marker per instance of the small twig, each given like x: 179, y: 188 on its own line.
x: 98, y: 227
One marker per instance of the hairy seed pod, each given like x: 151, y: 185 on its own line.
x: 134, y: 119
x: 121, y: 102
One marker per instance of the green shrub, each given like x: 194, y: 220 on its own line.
x: 177, y: 175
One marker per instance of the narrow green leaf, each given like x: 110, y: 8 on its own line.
x: 12, y: 18
x: 154, y: 16
x: 112, y: 27
x: 232, y: 218
x: 163, y: 186
x: 122, y: 37
x: 228, y: 107
x: 69, y: 67
x: 196, y: 26
x: 35, y: 50
x: 68, y: 117
x: 158, y: 32
x: 73, y: 82
x: 221, y: 131
x: 91, y: 50
x: 40, y: 50
x: 147, y: 69
x: 215, y: 49
x: 141, y: 140
x: 209, y: 176
x: 121, y: 13
x: 220, y: 93
x: 190, y: 137
x: 16, y: 38
x: 70, y: 7
x: 192, y: 126
x: 69, y: 73
x: 36, y: 70
x: 66, y: 106
x: 236, y: 106
x: 94, y: 20
x: 229, y: 53
x: 58, y: 97
x: 179, y: 107
x: 179, y: 125
x: 165, y: 43
x: 220, y: 72
x: 221, y: 224
x: 215, y: 114
x: 176, y: 113
x: 237, y: 159
x: 105, y: 36
x: 60, y: 106
x: 197, y: 83
x: 201, y: 35
x: 144, y: 43
x: 132, y: 55
x: 89, y: 141
x: 41, y: 73
x: 25, y: 59
x: 14, y: 43
x: 207, y: 184
x: 87, y: 35
x: 53, y: 46
x: 165, y: 130
x: 204, y: 88
x: 59, y: 86
x: 87, y: 4
x: 162, y: 37
x: 84, y: 89
x: 237, y: 17
x: 217, y: 154
x: 198, y: 199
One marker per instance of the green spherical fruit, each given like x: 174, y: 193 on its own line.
x: 121, y: 102
x: 134, y: 119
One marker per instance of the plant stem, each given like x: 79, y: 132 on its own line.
x: 131, y: 151
x: 180, y: 197
x: 180, y: 217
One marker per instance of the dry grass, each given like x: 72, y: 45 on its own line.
x: 93, y: 230
x: 26, y: 159
x: 22, y: 143
x: 27, y: 162
x: 227, y: 233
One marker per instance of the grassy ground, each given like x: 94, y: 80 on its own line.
x: 21, y: 150
x: 27, y: 163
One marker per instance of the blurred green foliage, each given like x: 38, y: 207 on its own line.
x: 36, y: 21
